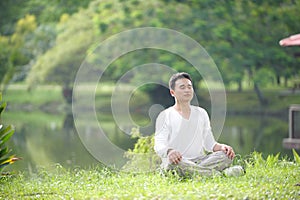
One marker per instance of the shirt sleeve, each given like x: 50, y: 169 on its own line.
x: 209, y: 140
x: 162, y: 132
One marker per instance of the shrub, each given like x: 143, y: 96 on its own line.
x: 5, y: 135
x: 142, y: 158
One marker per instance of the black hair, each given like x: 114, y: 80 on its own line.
x: 177, y: 76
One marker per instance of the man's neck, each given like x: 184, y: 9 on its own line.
x: 183, y: 109
x: 182, y: 106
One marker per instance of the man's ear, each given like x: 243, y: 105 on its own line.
x: 172, y: 93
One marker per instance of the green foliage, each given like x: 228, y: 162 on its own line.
x: 263, y: 76
x: 144, y: 144
x: 296, y: 156
x: 272, y: 160
x: 46, y: 12
x: 5, y: 135
x: 256, y: 159
x: 10, y: 12
x: 30, y: 33
x: 242, y: 38
x: 5, y: 62
x: 142, y: 158
x: 74, y: 38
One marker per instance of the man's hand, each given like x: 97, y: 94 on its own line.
x: 226, y: 149
x: 174, y: 156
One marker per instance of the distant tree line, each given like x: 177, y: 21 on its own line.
x: 45, y: 42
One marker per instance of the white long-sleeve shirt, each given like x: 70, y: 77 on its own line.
x: 188, y: 136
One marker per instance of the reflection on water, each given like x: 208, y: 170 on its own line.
x: 47, y: 143
x: 256, y: 133
x: 44, y: 140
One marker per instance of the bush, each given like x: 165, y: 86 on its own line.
x: 5, y: 135
x: 142, y: 158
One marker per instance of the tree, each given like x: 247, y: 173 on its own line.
x: 10, y: 13
x: 15, y: 55
x: 245, y: 37
x: 46, y: 12
x: 61, y: 62
x: 78, y: 34
x: 5, y: 62
x: 241, y: 37
x: 28, y: 27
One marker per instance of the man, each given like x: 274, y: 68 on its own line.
x: 183, y: 135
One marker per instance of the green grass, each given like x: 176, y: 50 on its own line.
x: 268, y: 178
x: 19, y: 94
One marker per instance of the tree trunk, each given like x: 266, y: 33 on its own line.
x: 67, y: 94
x: 259, y: 94
x: 278, y: 80
x: 240, y: 88
x: 285, y: 81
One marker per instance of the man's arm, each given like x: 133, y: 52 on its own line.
x: 161, y: 135
x: 161, y: 144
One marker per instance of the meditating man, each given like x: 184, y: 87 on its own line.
x: 183, y: 136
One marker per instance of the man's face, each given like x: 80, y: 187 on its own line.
x: 183, y: 90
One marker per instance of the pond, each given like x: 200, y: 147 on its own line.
x: 44, y: 139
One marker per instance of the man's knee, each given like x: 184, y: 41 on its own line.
x: 220, y: 160
x: 224, y: 158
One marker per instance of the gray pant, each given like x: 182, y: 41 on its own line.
x: 206, y: 165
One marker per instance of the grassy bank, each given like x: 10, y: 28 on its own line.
x: 278, y: 101
x: 49, y: 99
x: 268, y: 178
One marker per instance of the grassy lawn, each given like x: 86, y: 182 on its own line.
x: 268, y: 178
x: 19, y: 94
